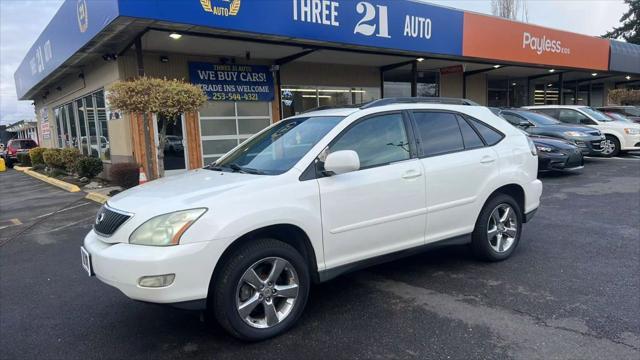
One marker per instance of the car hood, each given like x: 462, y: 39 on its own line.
x: 552, y: 142
x: 191, y: 189
x: 567, y: 127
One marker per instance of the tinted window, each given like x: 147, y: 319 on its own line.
x: 470, y: 137
x: 378, y: 140
x: 439, y: 133
x: 570, y: 116
x: 595, y: 114
x: 490, y: 136
x: 512, y: 119
x: 23, y: 144
x: 551, y: 112
x: 539, y: 119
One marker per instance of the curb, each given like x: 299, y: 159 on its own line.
x: 21, y: 168
x: 55, y: 182
x: 97, y: 197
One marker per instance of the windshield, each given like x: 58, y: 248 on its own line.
x: 595, y: 114
x: 276, y: 149
x: 539, y: 119
x: 618, y: 117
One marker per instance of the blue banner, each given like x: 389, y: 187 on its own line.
x: 233, y: 82
x: 75, y: 24
x: 390, y: 24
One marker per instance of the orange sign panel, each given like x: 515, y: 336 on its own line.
x: 493, y: 38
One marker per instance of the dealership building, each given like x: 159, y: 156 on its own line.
x: 260, y: 61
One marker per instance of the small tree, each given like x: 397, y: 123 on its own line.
x: 624, y: 97
x: 510, y: 9
x: 167, y: 98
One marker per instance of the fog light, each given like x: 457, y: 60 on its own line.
x: 156, y: 281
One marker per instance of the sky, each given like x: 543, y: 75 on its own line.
x: 21, y: 21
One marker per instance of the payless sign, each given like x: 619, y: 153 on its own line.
x: 222, y: 82
x: 493, y: 38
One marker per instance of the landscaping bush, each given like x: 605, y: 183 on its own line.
x: 125, y: 174
x: 24, y: 159
x: 89, y: 167
x: 70, y: 157
x: 53, y: 158
x: 36, y: 156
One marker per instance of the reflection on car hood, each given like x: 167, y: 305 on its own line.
x: 567, y: 127
x: 552, y: 142
x: 181, y: 191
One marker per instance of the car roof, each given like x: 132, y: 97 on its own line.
x: 555, y: 107
x: 346, y: 111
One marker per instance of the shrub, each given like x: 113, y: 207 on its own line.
x: 125, y: 174
x: 36, y: 156
x: 53, y: 158
x: 89, y: 167
x: 70, y: 157
x: 24, y: 159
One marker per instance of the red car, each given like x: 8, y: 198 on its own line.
x: 15, y: 147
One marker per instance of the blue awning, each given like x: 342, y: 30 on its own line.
x: 625, y: 57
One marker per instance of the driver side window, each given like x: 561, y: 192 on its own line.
x: 378, y: 140
x: 513, y: 119
x: 571, y: 116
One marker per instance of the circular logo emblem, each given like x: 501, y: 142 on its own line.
x: 83, y: 15
x: 100, y: 217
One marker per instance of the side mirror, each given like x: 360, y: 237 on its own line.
x: 341, y: 162
x: 524, y: 124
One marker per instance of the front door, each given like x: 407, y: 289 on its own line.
x: 380, y: 208
x: 175, y: 146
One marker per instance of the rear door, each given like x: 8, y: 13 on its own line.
x: 381, y: 207
x: 458, y: 164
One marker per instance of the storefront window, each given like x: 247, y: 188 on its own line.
x: 297, y: 99
x: 546, y: 94
x: 224, y: 125
x: 397, y: 83
x: 83, y: 124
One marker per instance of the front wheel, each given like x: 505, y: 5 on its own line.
x: 611, y: 146
x: 261, y: 290
x: 498, y: 229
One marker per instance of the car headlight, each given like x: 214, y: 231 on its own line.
x: 532, y: 147
x: 575, y: 133
x: 632, y: 131
x: 544, y: 148
x: 166, y: 229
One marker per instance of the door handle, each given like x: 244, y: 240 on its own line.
x: 487, y: 160
x: 411, y: 174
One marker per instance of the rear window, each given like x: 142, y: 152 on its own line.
x: 23, y: 144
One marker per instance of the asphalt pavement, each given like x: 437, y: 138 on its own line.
x: 570, y: 291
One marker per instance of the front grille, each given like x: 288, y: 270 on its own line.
x: 574, y: 160
x: 596, y: 145
x: 108, y: 221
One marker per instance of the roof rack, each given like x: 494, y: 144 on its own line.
x: 329, y: 107
x: 419, y: 100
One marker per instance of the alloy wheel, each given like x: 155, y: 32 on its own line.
x: 502, y: 228
x: 609, y: 147
x: 267, y: 292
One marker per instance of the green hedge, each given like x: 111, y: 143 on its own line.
x: 36, y: 156
x: 53, y: 158
x: 89, y: 167
x: 70, y: 157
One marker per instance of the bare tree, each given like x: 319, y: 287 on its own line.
x: 510, y: 9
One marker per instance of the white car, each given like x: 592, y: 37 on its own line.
x: 620, y: 136
x: 314, y: 196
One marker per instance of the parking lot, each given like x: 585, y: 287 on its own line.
x: 571, y: 290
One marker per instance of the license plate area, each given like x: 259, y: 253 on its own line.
x: 86, y: 261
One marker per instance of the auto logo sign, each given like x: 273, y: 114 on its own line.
x: 99, y: 217
x: 83, y: 16
x: 221, y: 7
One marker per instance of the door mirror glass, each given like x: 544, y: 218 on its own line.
x: 341, y: 162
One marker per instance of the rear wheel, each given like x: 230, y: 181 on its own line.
x: 261, y: 290
x: 498, y: 229
x: 611, y: 146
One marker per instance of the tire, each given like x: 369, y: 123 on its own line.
x: 229, y: 289
x: 483, y: 245
x: 615, y: 146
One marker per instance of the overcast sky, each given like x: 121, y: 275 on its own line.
x: 22, y: 21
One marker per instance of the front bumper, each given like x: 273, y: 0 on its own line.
x: 121, y: 265
x: 631, y: 142
x: 561, y: 161
x: 590, y: 145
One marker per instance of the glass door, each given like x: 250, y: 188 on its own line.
x: 175, y: 153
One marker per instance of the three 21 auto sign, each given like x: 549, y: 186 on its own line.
x: 233, y: 82
x: 403, y: 25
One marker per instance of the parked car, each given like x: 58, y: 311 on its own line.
x: 619, y: 136
x: 618, y: 117
x: 632, y: 112
x: 557, y: 155
x: 173, y: 143
x: 589, y: 140
x: 15, y: 147
x: 314, y: 196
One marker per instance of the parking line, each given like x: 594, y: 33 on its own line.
x: 59, y: 211
x: 71, y: 224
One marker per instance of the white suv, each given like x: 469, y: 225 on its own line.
x: 620, y: 136
x: 314, y: 196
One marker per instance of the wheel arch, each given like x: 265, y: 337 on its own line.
x: 287, y: 233
x: 515, y: 191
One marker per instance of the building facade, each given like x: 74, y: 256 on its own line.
x: 257, y: 71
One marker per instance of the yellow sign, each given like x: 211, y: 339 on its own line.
x: 224, y: 7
